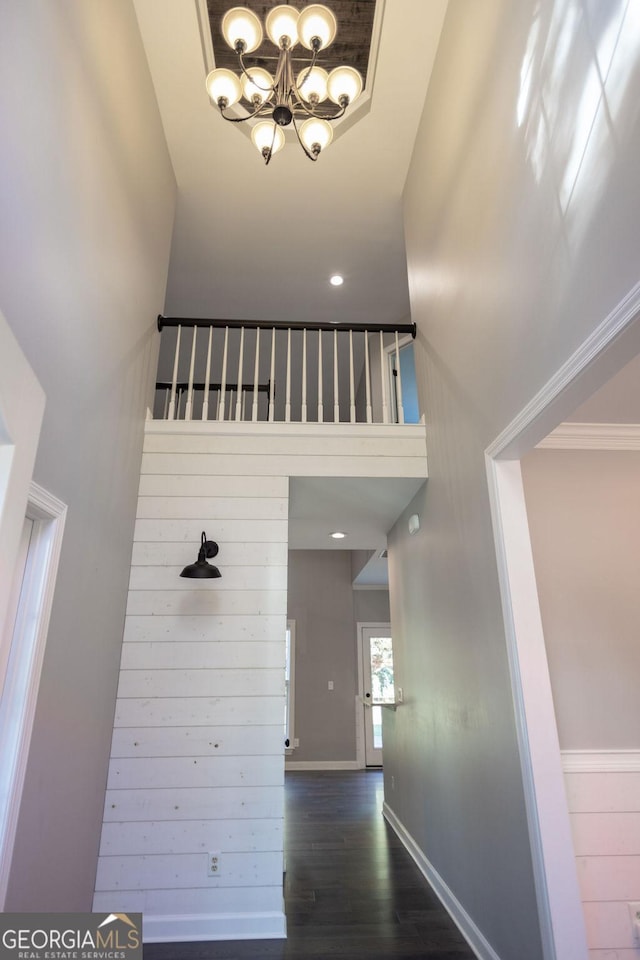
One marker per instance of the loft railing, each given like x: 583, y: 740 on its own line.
x: 252, y: 370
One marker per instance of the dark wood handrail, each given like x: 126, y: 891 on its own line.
x: 184, y: 385
x: 287, y: 325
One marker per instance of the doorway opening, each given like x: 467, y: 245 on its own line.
x: 376, y: 685
x: 25, y: 637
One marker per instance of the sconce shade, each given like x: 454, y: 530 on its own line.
x: 201, y: 570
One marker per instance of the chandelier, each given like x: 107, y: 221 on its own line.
x: 283, y: 98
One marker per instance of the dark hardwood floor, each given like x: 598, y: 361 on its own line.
x: 352, y: 891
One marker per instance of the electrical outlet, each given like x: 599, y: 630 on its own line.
x: 296, y: 742
x: 400, y: 695
x: 634, y: 911
x: 213, y: 868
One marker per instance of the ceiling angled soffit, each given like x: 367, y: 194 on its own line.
x: 355, y: 44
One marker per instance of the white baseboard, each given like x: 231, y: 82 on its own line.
x: 323, y: 765
x: 214, y: 926
x: 474, y: 937
x: 601, y: 761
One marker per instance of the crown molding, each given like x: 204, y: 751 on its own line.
x: 593, y: 436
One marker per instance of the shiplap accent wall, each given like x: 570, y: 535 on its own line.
x: 603, y: 795
x: 197, y: 760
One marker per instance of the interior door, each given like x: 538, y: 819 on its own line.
x: 378, y: 687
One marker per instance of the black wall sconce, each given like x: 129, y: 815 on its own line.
x: 201, y: 569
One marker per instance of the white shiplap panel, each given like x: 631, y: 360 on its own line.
x: 200, y: 683
x: 599, y: 792
x: 191, y: 836
x: 207, y: 602
x: 203, y: 803
x: 233, y: 578
x: 165, y: 485
x: 237, y: 530
x: 212, y: 508
x: 188, y: 870
x: 188, y: 655
x: 235, y: 554
x: 608, y: 925
x: 225, y: 629
x: 387, y: 464
x: 190, y: 901
x: 196, y: 741
x: 199, y: 711
x: 258, y: 446
x: 602, y: 834
x: 609, y: 878
x: 153, y: 773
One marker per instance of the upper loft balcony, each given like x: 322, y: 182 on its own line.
x: 240, y: 372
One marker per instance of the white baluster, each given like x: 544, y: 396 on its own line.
x: 320, y: 411
x: 383, y: 379
x: 352, y: 386
x: 272, y: 384
x: 223, y: 383
x: 287, y: 399
x: 240, y: 363
x: 172, y: 402
x: 178, y: 405
x: 189, y: 406
x: 336, y: 399
x: 399, y: 384
x: 207, y: 379
x: 256, y: 363
x: 165, y: 412
x: 303, y: 407
x: 367, y: 376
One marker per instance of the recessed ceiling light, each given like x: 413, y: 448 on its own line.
x: 338, y: 535
x: 336, y: 280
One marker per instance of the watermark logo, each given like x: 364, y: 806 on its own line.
x: 70, y: 936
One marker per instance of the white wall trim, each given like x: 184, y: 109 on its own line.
x: 323, y: 765
x: 409, y: 431
x: 19, y: 697
x: 533, y: 418
x: 472, y: 934
x: 601, y: 761
x: 558, y: 896
x: 214, y: 926
x: 593, y: 436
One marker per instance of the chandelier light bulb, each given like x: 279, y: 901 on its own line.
x: 316, y: 134
x: 224, y: 87
x: 268, y: 138
x: 257, y: 85
x: 242, y: 29
x: 316, y: 27
x: 312, y: 84
x: 345, y: 84
x: 282, y: 26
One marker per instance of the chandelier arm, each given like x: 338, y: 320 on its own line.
x: 259, y: 111
x: 310, y: 155
x: 307, y: 70
x: 311, y: 113
x: 245, y: 71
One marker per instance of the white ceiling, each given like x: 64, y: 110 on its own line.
x: 255, y: 241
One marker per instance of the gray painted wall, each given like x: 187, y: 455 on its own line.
x: 88, y: 199
x: 521, y: 212
x: 326, y: 609
x: 584, y: 519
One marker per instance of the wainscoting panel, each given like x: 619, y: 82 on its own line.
x: 603, y: 794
